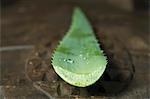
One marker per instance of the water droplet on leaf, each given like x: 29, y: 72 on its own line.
x: 84, y: 58
x: 69, y: 60
x: 80, y: 55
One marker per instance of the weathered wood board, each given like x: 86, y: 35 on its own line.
x: 32, y: 22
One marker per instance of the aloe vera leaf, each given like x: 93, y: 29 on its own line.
x: 78, y: 59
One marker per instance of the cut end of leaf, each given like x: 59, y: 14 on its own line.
x: 78, y: 59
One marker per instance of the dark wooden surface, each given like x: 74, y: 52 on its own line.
x: 30, y: 22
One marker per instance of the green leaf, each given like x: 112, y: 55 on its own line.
x: 78, y: 59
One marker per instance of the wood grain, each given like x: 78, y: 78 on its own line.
x: 32, y: 22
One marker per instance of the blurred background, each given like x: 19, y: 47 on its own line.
x: 23, y: 19
x: 25, y: 23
